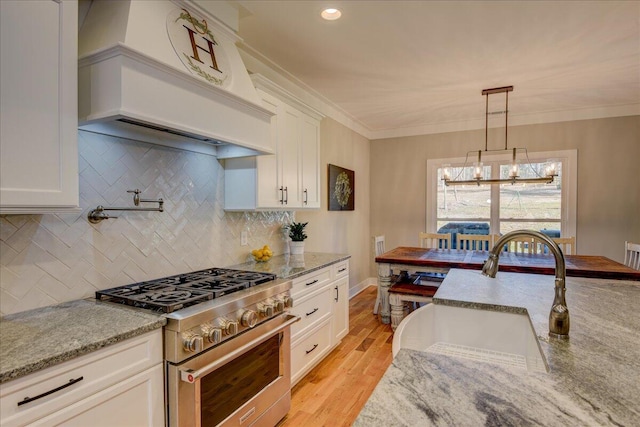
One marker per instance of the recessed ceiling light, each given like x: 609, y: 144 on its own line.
x: 331, y: 14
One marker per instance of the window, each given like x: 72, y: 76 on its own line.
x: 500, y: 208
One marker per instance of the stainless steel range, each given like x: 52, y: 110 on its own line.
x: 226, y: 344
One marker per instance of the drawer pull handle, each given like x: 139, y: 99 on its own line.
x: 337, y: 294
x: 342, y: 269
x: 31, y: 399
x: 312, y: 311
x: 314, y: 347
x: 312, y: 282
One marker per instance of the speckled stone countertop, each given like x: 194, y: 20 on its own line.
x: 292, y: 266
x: 36, y: 339
x: 593, y: 379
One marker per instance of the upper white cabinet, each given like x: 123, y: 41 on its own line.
x: 288, y: 179
x: 38, y: 118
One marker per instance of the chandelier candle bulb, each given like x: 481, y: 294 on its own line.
x: 446, y: 172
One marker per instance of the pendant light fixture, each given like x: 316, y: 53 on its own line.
x: 514, y: 177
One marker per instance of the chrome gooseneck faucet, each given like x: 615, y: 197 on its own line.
x: 559, y: 315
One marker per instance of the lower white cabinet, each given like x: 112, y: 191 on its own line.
x: 340, y: 308
x: 321, y: 301
x: 119, y: 385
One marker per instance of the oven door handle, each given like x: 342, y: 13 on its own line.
x: 190, y: 375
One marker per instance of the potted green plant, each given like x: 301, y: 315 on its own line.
x: 297, y: 235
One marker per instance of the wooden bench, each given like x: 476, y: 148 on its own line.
x: 415, y: 288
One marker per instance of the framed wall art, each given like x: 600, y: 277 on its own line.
x: 341, y: 189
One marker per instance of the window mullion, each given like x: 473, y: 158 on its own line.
x: 495, y: 199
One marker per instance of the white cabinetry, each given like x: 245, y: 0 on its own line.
x: 340, y: 301
x: 38, y: 113
x: 320, y: 299
x: 118, y: 385
x: 288, y: 179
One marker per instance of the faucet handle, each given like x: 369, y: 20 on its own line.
x: 136, y: 196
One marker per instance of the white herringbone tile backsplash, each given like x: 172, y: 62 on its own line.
x: 48, y: 259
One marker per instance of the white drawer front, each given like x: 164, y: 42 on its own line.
x: 309, y: 351
x: 311, y: 281
x: 98, y: 370
x: 340, y: 269
x: 311, y: 309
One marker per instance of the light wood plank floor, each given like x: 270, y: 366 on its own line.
x: 335, y: 391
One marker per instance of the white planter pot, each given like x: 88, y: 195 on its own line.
x: 296, y: 248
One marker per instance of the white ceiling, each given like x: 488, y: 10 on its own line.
x: 413, y: 67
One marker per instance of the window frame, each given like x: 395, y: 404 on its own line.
x: 568, y: 214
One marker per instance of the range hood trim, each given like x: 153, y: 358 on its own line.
x: 99, y: 121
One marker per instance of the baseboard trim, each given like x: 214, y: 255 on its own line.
x: 370, y: 281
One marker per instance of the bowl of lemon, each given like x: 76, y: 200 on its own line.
x: 263, y: 254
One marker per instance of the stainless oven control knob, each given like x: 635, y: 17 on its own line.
x: 266, y: 309
x: 288, y: 301
x: 192, y: 342
x: 213, y: 335
x: 279, y: 305
x: 229, y: 327
x: 249, y: 318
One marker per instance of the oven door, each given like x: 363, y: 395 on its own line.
x: 239, y: 382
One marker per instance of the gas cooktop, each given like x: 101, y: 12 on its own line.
x: 172, y: 293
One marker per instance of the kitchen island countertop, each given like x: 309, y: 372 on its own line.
x: 292, y: 266
x: 36, y: 339
x: 592, y: 378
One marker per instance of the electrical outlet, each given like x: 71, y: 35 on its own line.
x: 243, y: 238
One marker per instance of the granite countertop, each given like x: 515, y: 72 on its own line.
x: 592, y: 378
x: 36, y: 339
x: 292, y: 266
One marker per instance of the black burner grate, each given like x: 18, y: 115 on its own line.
x: 175, y: 292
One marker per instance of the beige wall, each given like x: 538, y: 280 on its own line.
x: 348, y: 231
x: 608, y: 192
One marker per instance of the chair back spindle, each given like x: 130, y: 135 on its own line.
x: 632, y: 255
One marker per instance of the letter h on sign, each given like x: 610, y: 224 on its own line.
x: 195, y: 47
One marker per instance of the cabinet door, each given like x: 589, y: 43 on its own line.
x: 38, y: 113
x: 289, y: 154
x: 137, y: 401
x: 340, y: 309
x: 268, y: 176
x: 310, y: 162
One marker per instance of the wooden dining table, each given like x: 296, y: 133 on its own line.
x: 414, y: 260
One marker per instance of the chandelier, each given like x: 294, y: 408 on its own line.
x: 514, y: 170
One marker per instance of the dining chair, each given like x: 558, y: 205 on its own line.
x: 378, y: 248
x: 567, y: 244
x: 524, y: 245
x: 474, y: 242
x: 435, y: 240
x: 632, y: 255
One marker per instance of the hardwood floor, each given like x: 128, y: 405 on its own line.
x: 335, y: 391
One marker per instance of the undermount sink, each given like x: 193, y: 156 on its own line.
x: 487, y: 336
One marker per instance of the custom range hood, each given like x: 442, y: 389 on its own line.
x: 168, y: 73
